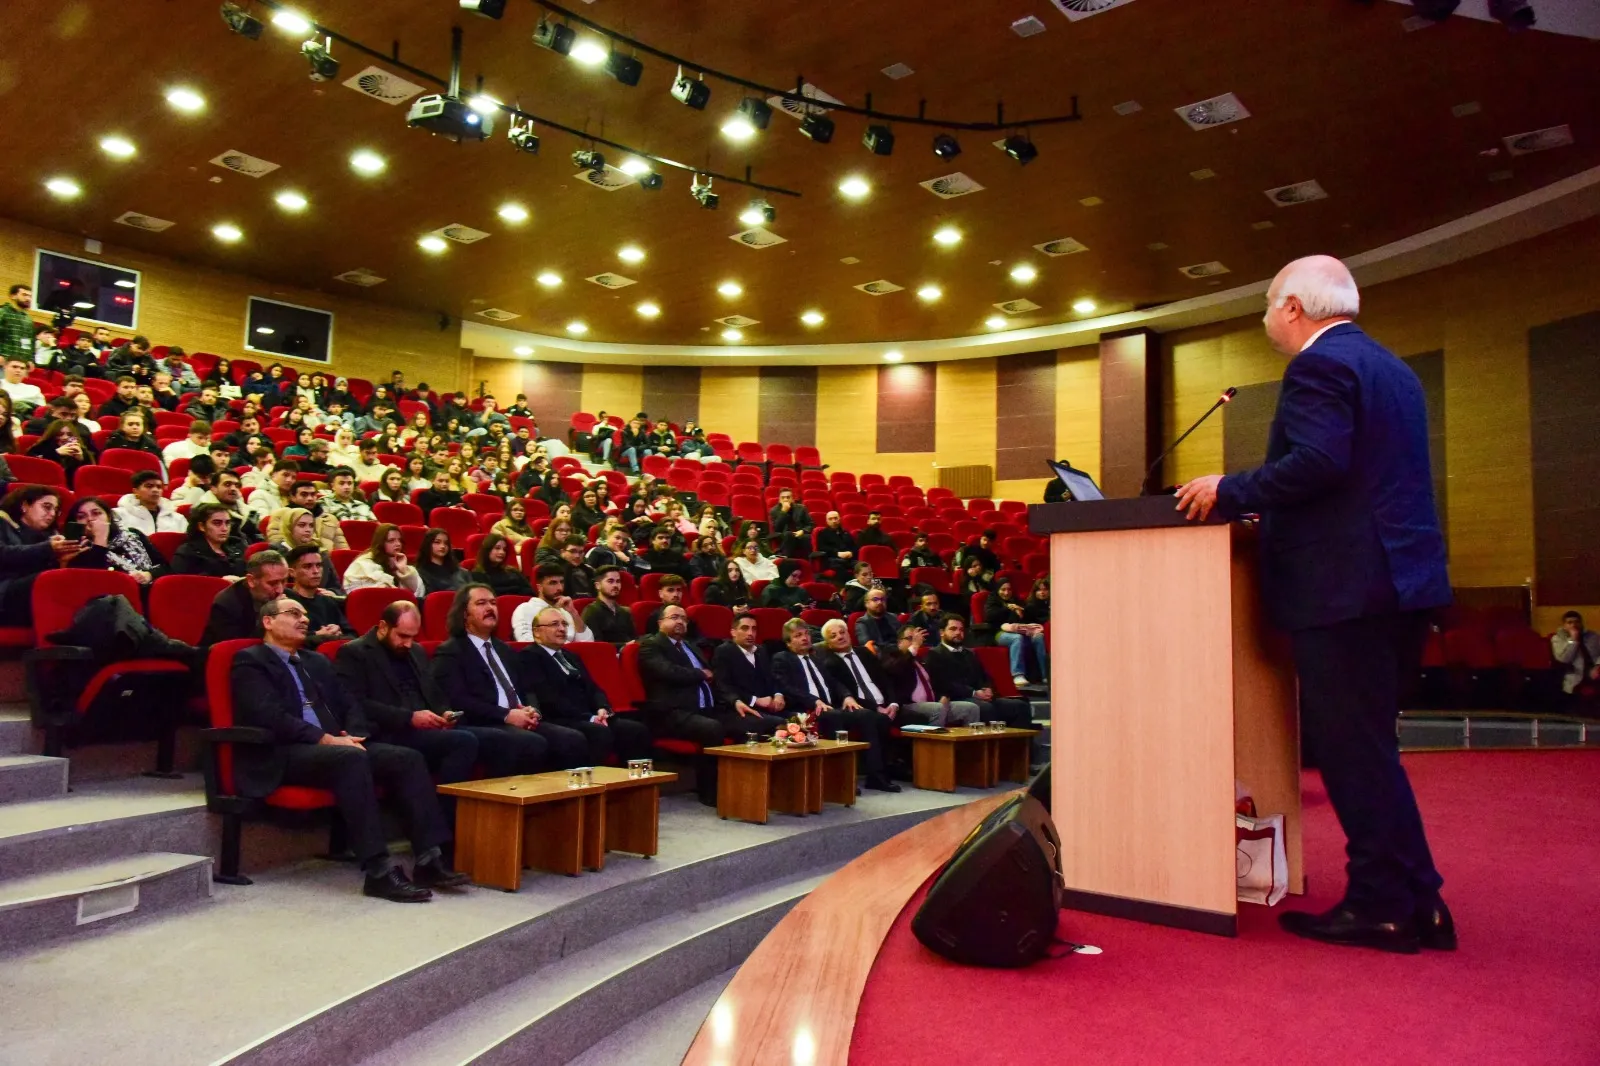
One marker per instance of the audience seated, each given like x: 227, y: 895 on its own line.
x: 1577, y: 649
x: 679, y: 698
x: 67, y: 444
x: 876, y: 629
x: 212, y: 547
x: 108, y: 546
x: 862, y: 581
x: 807, y: 690
x: 742, y: 671
x: 606, y: 617
x: 836, y: 548
x: 729, y: 589
x: 790, y: 525
x: 919, y: 554
x: 145, y: 510
x: 344, y: 502
x: 958, y: 674
x: 293, y: 528
x: 236, y: 610
x: 579, y: 578
x: 383, y: 564
x: 497, y: 568
x: 873, y: 532
x: 1004, y: 614
x: 754, y: 565
x: 550, y: 592
x: 912, y: 687
x: 786, y: 591
x: 661, y: 557
x: 436, y: 562
x: 569, y: 697
x: 29, y: 545
x: 308, y: 574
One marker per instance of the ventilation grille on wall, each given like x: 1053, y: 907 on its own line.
x: 460, y: 233
x: 382, y: 86
x: 610, y: 179
x: 951, y: 186
x: 1063, y: 246
x: 611, y: 281
x: 969, y: 482
x: 756, y: 237
x: 360, y: 276
x: 1203, y: 270
x: 737, y: 321
x: 1018, y: 306
x: 494, y: 314
x: 1539, y: 140
x: 1301, y: 192
x: 798, y: 109
x: 1217, y: 111
x: 879, y: 287
x: 1082, y: 9
x: 148, y: 223
x: 241, y: 163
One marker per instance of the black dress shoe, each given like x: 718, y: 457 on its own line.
x: 882, y: 784
x: 395, y: 887
x: 436, y: 874
x: 1344, y: 926
x: 1436, y: 929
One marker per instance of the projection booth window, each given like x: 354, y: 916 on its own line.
x: 273, y: 328
x: 90, y: 292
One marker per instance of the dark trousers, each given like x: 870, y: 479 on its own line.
x: 870, y: 726
x: 1350, y: 678
x: 700, y: 728
x: 449, y: 753
x: 623, y: 736
x: 1018, y: 714
x: 568, y: 746
x: 505, y: 750
x: 352, y: 775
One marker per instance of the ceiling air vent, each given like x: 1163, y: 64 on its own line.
x: 756, y: 237
x: 360, y: 276
x: 1029, y: 26
x: 737, y: 321
x: 610, y: 179
x: 798, y: 109
x: 1203, y: 270
x: 460, y: 233
x: 1064, y: 246
x: 951, y: 186
x: 494, y: 314
x: 148, y: 223
x: 1301, y: 192
x: 382, y: 86
x: 1217, y: 111
x: 896, y: 71
x: 248, y: 165
x: 1082, y: 9
x: 1539, y: 140
x: 1018, y: 306
x: 611, y: 281
x: 879, y: 287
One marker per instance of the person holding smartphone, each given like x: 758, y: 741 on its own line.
x: 108, y: 545
x: 29, y: 545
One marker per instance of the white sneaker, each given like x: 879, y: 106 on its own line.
x: 1020, y: 680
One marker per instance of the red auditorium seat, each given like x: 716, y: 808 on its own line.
x: 180, y: 604
x: 818, y: 616
x: 484, y: 504
x: 714, y: 621
x: 780, y: 455
x: 641, y: 610
x: 435, y: 613
x: 936, y: 578
x: 108, y: 482
x: 460, y: 522
x: 341, y: 558
x: 31, y: 470
x: 365, y: 605
x: 883, y: 560
x: 770, y: 621
x: 400, y: 514
x: 600, y: 659
x: 358, y: 532
x: 167, y: 543
x: 130, y: 459
x: 750, y: 452
x: 997, y: 661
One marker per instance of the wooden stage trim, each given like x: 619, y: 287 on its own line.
x: 801, y: 986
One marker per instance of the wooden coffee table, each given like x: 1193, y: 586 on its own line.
x: 755, y: 779
x: 535, y: 820
x: 964, y: 757
x: 628, y: 815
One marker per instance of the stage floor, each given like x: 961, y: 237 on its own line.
x: 1517, y: 837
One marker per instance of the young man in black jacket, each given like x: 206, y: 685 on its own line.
x: 958, y: 674
x: 742, y: 676
x: 836, y: 548
x: 662, y: 558
x: 607, y: 618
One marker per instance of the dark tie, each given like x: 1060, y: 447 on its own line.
x: 815, y: 677
x: 566, y: 667
x: 308, y: 688
x: 855, y: 672
x: 500, y: 674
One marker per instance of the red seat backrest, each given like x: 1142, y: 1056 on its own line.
x: 506, y: 604
x: 58, y: 594
x: 459, y: 522
x: 365, y: 605
x: 771, y: 621
x: 400, y: 514
x: 650, y: 586
x: 642, y: 610
x: 997, y: 663
x: 600, y: 659
x: 95, y: 480
x: 435, y: 614
x: 882, y: 559
x: 219, y: 701
x: 358, y: 532
x: 130, y: 459
x: 180, y: 604
x: 628, y: 666
x: 932, y: 576
x: 714, y: 621
x: 32, y: 470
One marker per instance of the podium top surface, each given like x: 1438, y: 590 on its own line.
x: 1088, y: 516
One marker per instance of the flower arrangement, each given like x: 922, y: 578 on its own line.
x: 797, y: 731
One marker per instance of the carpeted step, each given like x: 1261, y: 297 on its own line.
x: 103, y: 821
x: 31, y: 777
x: 96, y: 895
x: 660, y: 1037
x: 16, y: 730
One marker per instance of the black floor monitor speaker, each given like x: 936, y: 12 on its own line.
x: 995, y: 903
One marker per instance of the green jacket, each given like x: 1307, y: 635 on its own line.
x: 16, y: 332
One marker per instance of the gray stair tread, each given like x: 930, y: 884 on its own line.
x: 7, y: 761
x: 79, y: 879
x: 461, y: 1035
x: 101, y: 802
x: 660, y: 1037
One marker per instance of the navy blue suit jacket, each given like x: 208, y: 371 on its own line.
x: 1348, y: 523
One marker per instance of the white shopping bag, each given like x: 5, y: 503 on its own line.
x: 1261, y: 865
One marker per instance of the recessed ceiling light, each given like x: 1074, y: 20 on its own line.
x: 292, y: 21
x: 812, y: 318
x: 893, y: 356
x: 577, y: 329
x: 484, y: 104
x: 367, y: 162
x: 1023, y: 272
x: 549, y: 279
x: 855, y: 188
x: 995, y: 322
x: 732, y: 335
x: 432, y: 243
x: 226, y: 231
x: 929, y: 293
x: 948, y: 236
x: 265, y: 331
x: 589, y: 53
x: 124, y: 283
x: 65, y: 188
x: 290, y: 200
x: 633, y: 167
x: 117, y: 146
x: 522, y: 349
x: 1084, y: 307
x: 648, y: 310
x: 186, y: 100
x: 738, y: 128
x: 730, y: 288
x: 631, y: 254
x: 512, y: 213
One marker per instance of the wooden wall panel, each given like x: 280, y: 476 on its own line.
x: 729, y: 399
x: 1129, y: 370
x: 616, y: 390
x: 1025, y: 411
x: 965, y: 405
x: 555, y: 394
x: 906, y: 407
x: 847, y: 409
x: 500, y: 378
x: 1078, y: 407
x: 788, y: 413
x: 1246, y: 426
x: 1564, y: 404
x: 672, y: 392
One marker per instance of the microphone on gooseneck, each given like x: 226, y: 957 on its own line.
x: 1227, y: 394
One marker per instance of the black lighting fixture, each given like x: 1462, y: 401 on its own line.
x: 522, y: 137
x: 701, y: 191
x: 756, y: 111
x: 1436, y: 10
x: 626, y: 69
x: 241, y: 21
x: 587, y: 160
x: 879, y: 139
x: 650, y: 182
x: 1512, y: 14
x: 1021, y: 149
x: 946, y: 147
x: 319, y: 54
x: 691, y: 91
x: 489, y: 9
x: 758, y: 213
x: 554, y: 36
x: 817, y: 126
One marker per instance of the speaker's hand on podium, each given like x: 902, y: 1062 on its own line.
x: 1199, y: 496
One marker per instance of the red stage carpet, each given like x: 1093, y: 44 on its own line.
x: 1517, y: 837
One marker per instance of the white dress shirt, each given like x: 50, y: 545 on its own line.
x: 523, y: 617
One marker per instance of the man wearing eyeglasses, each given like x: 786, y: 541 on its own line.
x: 569, y: 696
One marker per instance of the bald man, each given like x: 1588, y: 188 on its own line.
x: 1352, y: 559
x: 836, y: 548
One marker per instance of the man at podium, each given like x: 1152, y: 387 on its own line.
x: 1352, y: 559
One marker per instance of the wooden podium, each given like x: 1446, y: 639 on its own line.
x: 1166, y: 685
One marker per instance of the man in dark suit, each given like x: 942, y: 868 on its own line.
x: 861, y: 676
x: 742, y: 677
x: 877, y: 630
x: 836, y: 548
x: 319, y: 739
x: 958, y: 674
x: 236, y: 610
x: 569, y: 696
x: 481, y: 677
x: 1351, y: 558
x: 790, y: 525
x: 387, y: 673
x: 807, y: 689
x: 678, y: 695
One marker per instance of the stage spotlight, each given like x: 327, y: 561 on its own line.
x: 522, y: 138
x: 489, y: 9
x: 1513, y: 14
x: 241, y: 21
x: 946, y: 146
x: 701, y: 191
x: 588, y: 160
x: 323, y: 66
x: 626, y: 69
x: 689, y: 91
x: 758, y: 213
x: 818, y: 127
x: 753, y: 115
x: 554, y: 36
x: 650, y: 182
x: 1021, y: 149
x: 879, y: 140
